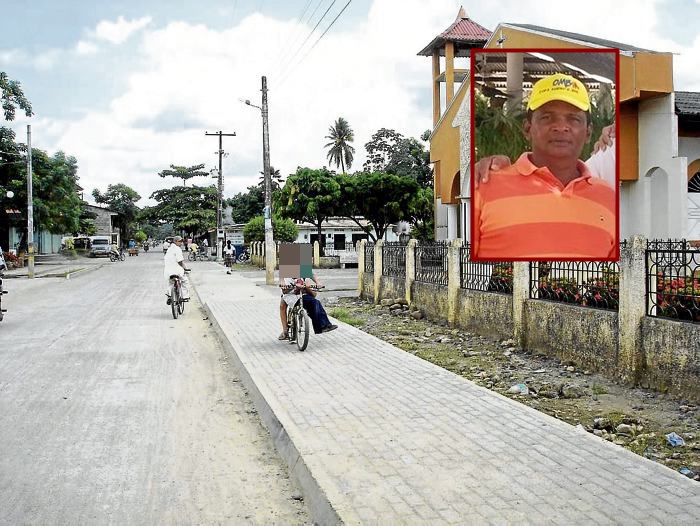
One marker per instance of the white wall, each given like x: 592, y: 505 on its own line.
x: 689, y: 147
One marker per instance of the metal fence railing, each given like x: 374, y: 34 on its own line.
x: 394, y: 259
x: 673, y: 280
x: 485, y: 276
x: 431, y: 262
x: 593, y: 284
x: 369, y: 257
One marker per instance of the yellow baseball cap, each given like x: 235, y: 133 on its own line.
x: 559, y: 87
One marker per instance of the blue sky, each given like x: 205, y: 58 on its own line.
x: 130, y: 87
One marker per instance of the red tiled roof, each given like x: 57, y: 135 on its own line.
x: 464, y: 32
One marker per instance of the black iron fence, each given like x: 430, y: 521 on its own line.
x: 431, y: 262
x: 673, y: 280
x: 369, y: 257
x: 394, y: 259
x: 479, y: 275
x: 593, y: 284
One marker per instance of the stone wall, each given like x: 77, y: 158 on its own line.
x: 628, y: 345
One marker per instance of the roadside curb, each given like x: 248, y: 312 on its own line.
x: 315, y: 497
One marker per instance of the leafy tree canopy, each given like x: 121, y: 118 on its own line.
x: 184, y: 172
x: 382, y: 199
x: 390, y: 152
x: 309, y: 195
x: 189, y: 209
x: 57, y: 205
x: 12, y: 98
x: 284, y: 230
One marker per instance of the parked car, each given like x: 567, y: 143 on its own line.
x: 99, y: 246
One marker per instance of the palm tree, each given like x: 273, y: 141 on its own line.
x: 340, y: 152
x: 275, y: 179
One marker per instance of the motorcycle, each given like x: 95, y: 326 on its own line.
x: 114, y: 256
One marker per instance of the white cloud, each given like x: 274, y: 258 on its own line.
x: 189, y: 79
x: 119, y: 32
x: 11, y: 57
x: 84, y: 47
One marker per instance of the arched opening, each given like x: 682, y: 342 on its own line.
x: 694, y: 200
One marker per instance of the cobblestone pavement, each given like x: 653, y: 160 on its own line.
x: 375, y: 435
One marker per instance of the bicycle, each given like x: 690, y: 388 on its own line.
x: 243, y: 256
x: 2, y: 290
x: 298, y: 321
x: 177, y: 302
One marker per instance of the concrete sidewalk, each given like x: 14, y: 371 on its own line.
x: 374, y: 435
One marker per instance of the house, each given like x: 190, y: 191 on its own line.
x: 653, y: 172
x: 338, y: 232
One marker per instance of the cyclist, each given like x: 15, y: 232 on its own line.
x: 174, y: 264
x: 319, y: 318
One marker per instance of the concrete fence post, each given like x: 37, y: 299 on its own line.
x: 453, y: 280
x: 317, y: 255
x: 361, y: 244
x: 378, y: 270
x: 521, y: 293
x: 631, y: 309
x: 410, y: 267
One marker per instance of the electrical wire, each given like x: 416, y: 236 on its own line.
x: 283, y: 78
x: 290, y: 61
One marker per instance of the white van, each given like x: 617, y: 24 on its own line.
x: 99, y: 246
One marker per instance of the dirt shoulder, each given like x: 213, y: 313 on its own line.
x: 636, y: 419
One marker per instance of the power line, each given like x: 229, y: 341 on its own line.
x: 285, y: 76
x: 292, y: 41
x: 288, y: 62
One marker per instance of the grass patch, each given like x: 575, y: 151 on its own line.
x: 599, y: 389
x: 343, y: 314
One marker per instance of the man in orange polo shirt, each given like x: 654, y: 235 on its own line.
x: 547, y: 205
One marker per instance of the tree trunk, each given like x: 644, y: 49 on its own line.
x: 321, y: 238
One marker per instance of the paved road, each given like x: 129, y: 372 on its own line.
x: 111, y: 412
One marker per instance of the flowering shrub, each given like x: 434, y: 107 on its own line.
x: 501, y: 278
x: 10, y: 257
x: 678, y: 297
x: 602, y: 292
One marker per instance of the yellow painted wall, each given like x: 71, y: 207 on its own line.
x: 444, y: 148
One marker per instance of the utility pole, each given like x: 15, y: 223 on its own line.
x: 270, y: 249
x: 30, y: 205
x: 220, y: 195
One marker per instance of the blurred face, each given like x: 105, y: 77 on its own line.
x: 557, y: 130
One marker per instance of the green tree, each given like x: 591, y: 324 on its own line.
x: 422, y: 215
x: 380, y: 149
x: 184, y: 172
x: 188, y: 209
x: 285, y: 230
x: 11, y: 154
x: 309, y: 195
x: 276, y: 181
x: 13, y: 97
x: 340, y: 152
x: 121, y: 199
x: 382, y: 199
x: 140, y: 236
x: 245, y: 206
x: 57, y: 207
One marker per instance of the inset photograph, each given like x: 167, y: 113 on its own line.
x: 545, y: 178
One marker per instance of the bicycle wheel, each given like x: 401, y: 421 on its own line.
x: 302, y: 323
x: 174, y: 300
x: 291, y: 325
x: 181, y: 305
x: 191, y: 257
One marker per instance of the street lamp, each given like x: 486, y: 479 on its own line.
x: 270, y: 250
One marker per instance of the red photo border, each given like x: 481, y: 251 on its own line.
x: 548, y: 51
